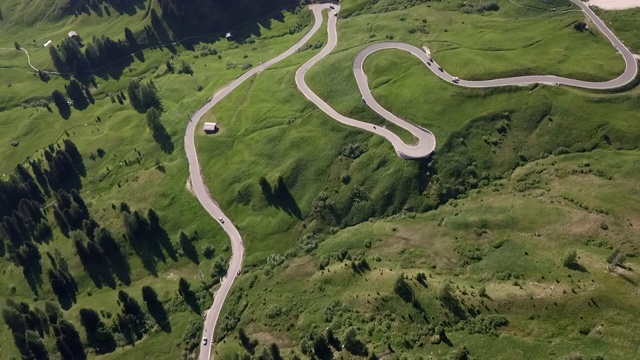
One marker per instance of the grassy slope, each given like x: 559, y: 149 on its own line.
x: 623, y: 23
x: 521, y: 232
x: 120, y: 131
x: 271, y: 133
x: 409, y: 90
x: 165, y: 192
x: 493, y: 44
x: 541, y: 120
x: 262, y: 121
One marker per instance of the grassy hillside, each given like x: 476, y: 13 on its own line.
x: 487, y: 139
x: 521, y: 37
x: 327, y: 187
x: 499, y: 251
x: 622, y: 22
x: 123, y: 163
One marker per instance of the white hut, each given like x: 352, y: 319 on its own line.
x: 72, y: 34
x: 210, y: 127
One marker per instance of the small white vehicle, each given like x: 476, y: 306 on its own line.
x: 204, y: 341
x: 455, y: 79
x: 221, y: 219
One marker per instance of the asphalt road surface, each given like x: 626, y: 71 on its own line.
x: 626, y: 77
x: 426, y: 142
x: 202, y: 193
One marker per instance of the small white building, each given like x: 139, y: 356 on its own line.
x: 210, y: 127
x: 72, y: 34
x: 47, y: 43
x: 229, y: 36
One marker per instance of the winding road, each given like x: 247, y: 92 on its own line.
x: 424, y: 147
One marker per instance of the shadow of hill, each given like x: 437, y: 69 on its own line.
x: 99, y: 7
x: 211, y: 16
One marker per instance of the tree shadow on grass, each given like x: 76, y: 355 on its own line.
x: 95, y: 264
x: 119, y: 263
x: 192, y: 300
x: 162, y: 238
x: 188, y: 248
x: 65, y: 113
x: 159, y: 314
x: 576, y: 266
x: 162, y: 137
x: 280, y: 197
x: 33, y: 275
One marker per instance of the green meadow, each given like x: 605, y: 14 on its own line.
x: 133, y: 168
x: 521, y: 177
x: 533, y: 154
x: 500, y: 249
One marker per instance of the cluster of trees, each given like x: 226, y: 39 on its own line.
x: 101, y: 255
x: 279, y: 196
x: 143, y: 96
x: 62, y: 282
x: 79, y: 94
x: 131, y: 322
x: 99, y: 336
x: 103, y: 50
x: 206, y: 16
x: 147, y: 238
x: 24, y: 223
x: 69, y: 58
x: 322, y: 344
x: 65, y: 166
x: 70, y: 211
x: 29, y: 327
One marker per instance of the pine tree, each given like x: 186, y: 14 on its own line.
x: 133, y: 91
x: 60, y: 101
x: 76, y: 94
x: 58, y: 62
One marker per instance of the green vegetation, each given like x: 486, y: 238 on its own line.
x: 624, y: 24
x: 310, y: 279
x: 132, y: 230
x: 484, y: 272
x: 350, y: 250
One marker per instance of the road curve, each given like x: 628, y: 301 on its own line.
x: 629, y: 74
x: 426, y: 140
x: 202, y: 193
